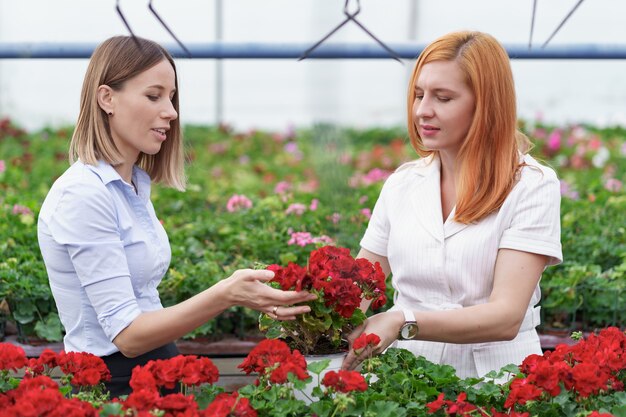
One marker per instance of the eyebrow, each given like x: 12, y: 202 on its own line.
x: 437, y: 90
x: 160, y: 87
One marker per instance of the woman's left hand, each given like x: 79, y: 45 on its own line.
x: 386, y: 325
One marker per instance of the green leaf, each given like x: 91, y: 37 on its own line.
x: 50, y: 329
x: 318, y: 366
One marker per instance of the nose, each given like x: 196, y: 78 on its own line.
x: 169, y: 112
x: 423, y: 109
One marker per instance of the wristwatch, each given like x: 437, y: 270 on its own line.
x: 409, y: 329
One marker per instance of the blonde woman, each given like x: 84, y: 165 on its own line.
x: 104, y: 249
x: 467, y: 229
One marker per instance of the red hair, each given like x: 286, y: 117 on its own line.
x: 488, y: 158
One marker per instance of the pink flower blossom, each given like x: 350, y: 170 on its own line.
x: 363, y: 199
x: 282, y: 187
x: 305, y: 238
x: 314, y: 203
x: 323, y: 239
x: 567, y: 191
x: 373, y: 176
x: 300, y: 239
x: 292, y: 148
x: 335, y: 218
x: 238, y: 202
x: 18, y: 209
x: 595, y: 143
x: 3, y: 166
x: 367, y: 213
x: 613, y: 184
x: 296, y: 208
x: 554, y: 140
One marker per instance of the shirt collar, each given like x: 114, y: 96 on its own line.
x: 105, y: 171
x: 427, y: 166
x: 108, y: 174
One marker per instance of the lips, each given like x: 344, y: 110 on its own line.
x: 161, y: 133
x: 428, y: 130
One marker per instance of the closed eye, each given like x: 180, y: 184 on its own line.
x: 152, y: 98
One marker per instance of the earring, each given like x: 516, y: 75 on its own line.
x: 110, y: 113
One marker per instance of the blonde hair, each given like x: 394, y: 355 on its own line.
x: 113, y: 62
x: 488, y: 158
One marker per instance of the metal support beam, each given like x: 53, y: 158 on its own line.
x: 224, y: 50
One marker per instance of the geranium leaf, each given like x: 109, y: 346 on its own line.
x: 318, y: 366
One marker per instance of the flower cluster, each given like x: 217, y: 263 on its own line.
x: 364, y: 340
x: 37, y: 394
x: 274, y: 361
x: 230, y: 405
x: 345, y: 381
x: 189, y: 370
x: 591, y: 366
x: 341, y: 284
x: 571, y: 380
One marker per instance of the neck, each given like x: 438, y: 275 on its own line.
x: 448, y: 166
x: 125, y: 170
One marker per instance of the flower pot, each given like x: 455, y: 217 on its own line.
x: 336, y: 359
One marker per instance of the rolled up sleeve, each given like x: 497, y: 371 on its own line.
x: 85, y: 222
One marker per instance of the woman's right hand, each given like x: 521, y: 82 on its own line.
x: 247, y: 288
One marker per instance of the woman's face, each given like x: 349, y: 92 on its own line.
x: 142, y: 111
x: 444, y: 106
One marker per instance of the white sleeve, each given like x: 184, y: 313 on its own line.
x: 85, y: 223
x: 376, y: 235
x: 536, y: 222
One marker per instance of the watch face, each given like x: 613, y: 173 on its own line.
x: 409, y: 331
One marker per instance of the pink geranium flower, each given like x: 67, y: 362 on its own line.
x: 296, y: 208
x: 238, y: 202
x: 282, y: 187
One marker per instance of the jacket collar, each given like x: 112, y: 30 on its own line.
x: 426, y: 199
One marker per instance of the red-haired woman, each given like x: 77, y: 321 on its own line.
x: 467, y: 229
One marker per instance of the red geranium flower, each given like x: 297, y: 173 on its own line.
x: 11, y: 357
x: 365, y: 340
x: 230, y: 405
x: 345, y: 381
x: 273, y: 359
x: 341, y: 283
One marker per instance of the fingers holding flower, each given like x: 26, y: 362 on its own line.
x: 246, y: 288
x: 382, y: 330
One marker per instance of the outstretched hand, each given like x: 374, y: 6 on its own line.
x: 386, y: 325
x: 246, y: 288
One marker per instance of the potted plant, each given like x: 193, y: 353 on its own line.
x: 341, y: 284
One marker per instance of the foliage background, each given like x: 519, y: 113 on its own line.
x: 323, y: 181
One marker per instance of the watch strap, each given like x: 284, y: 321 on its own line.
x: 409, y: 316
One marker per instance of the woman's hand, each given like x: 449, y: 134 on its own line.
x: 246, y: 288
x: 386, y: 325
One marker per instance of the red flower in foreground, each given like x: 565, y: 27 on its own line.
x: 40, y: 397
x: 189, y: 370
x: 590, y: 366
x: 85, y: 368
x: 274, y: 359
x: 459, y: 407
x: 11, y: 357
x: 230, y: 405
x: 345, y: 381
x: 365, y: 340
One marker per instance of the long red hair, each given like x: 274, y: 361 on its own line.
x: 488, y: 158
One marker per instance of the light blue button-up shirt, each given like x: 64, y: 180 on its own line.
x: 105, y: 252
